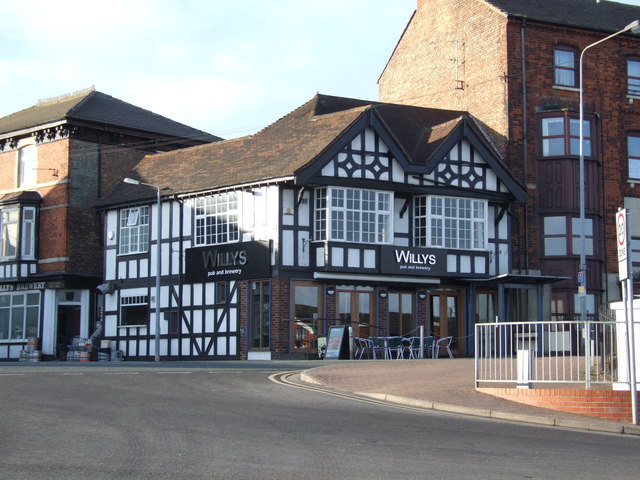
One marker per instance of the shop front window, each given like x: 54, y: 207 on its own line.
x: 19, y: 315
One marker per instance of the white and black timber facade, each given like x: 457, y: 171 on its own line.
x: 384, y: 217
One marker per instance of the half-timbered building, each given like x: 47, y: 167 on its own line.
x: 385, y: 217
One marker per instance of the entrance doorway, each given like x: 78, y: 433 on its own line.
x: 354, y: 309
x: 68, y: 328
x: 446, y: 319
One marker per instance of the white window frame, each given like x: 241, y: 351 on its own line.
x: 27, y: 166
x: 456, y: 223
x: 9, y: 229
x: 217, y: 219
x: 633, y: 155
x: 133, y: 234
x: 633, y: 77
x: 353, y: 215
x: 133, y: 301
x: 28, y: 245
x: 25, y: 305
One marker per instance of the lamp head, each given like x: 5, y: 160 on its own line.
x: 634, y: 27
x: 132, y: 181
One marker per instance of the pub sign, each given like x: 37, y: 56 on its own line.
x: 397, y: 260
x: 235, y: 261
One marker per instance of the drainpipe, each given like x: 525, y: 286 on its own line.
x: 525, y: 145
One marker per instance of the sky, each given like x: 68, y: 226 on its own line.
x: 227, y: 67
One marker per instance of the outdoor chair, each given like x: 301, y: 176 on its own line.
x: 427, y: 347
x: 394, y: 345
x: 444, y: 342
x: 378, y: 347
x: 364, y: 345
x: 406, y: 347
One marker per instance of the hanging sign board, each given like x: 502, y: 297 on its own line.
x: 622, y: 243
x: 338, y: 343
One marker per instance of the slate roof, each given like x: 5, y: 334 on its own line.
x: 286, y: 147
x: 96, y: 107
x: 604, y: 16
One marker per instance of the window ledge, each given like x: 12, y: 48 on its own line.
x: 566, y: 87
x: 133, y: 326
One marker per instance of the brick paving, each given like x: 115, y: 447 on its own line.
x: 447, y: 383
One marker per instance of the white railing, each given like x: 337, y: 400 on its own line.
x: 560, y: 352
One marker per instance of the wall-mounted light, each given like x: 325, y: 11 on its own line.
x: 331, y: 291
x: 383, y: 294
x: 422, y: 295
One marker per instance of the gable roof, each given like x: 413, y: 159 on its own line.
x: 96, y: 107
x: 290, y: 146
x: 602, y: 16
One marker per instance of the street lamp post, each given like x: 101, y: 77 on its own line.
x: 582, y: 268
x: 133, y: 181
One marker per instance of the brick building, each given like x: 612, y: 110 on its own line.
x: 514, y: 64
x: 56, y: 159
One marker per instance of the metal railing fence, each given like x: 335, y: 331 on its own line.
x: 558, y: 352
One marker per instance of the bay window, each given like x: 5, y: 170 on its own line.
x: 450, y: 222
x: 561, y: 136
x: 353, y: 215
x: 17, y: 232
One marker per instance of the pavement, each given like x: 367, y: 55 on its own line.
x: 445, y: 385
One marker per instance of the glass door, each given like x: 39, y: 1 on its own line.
x: 354, y: 310
x: 307, y: 317
x: 446, y: 319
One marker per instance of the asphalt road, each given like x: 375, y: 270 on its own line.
x: 243, y: 420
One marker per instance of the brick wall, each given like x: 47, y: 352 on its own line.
x: 448, y: 58
x: 464, y: 54
x: 607, y: 404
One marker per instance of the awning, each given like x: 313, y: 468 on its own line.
x: 519, y: 279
